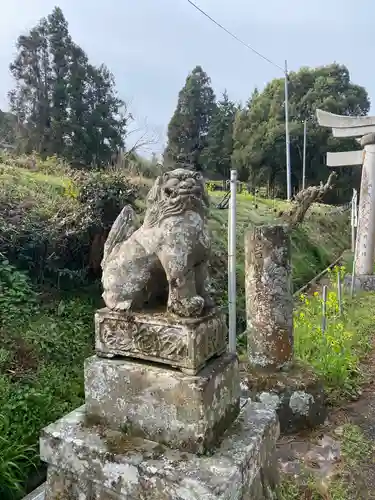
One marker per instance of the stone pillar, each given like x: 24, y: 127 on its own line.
x: 364, y: 262
x: 273, y: 377
x: 269, y: 297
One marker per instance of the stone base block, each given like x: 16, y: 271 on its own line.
x: 94, y: 463
x: 184, y: 343
x: 295, y: 393
x: 188, y: 412
x: 364, y: 283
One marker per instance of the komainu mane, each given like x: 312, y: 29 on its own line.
x: 165, y: 261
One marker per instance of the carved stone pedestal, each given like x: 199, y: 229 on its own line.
x: 92, y: 462
x: 188, y: 412
x: 147, y: 429
x: 184, y: 343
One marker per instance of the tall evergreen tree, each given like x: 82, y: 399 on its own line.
x: 188, y: 128
x: 259, y: 130
x: 8, y: 128
x: 217, y: 156
x: 60, y: 52
x: 30, y: 100
x: 77, y: 137
x: 64, y: 104
x: 103, y: 121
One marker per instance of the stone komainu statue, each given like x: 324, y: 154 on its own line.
x: 165, y: 261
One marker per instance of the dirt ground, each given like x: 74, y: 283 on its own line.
x: 328, y: 457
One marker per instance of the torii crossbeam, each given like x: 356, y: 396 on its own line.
x: 362, y: 127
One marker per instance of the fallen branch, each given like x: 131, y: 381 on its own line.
x: 305, y: 198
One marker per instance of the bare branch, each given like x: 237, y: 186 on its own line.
x: 305, y: 198
x: 146, y: 138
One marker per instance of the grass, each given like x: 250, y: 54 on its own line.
x: 315, y: 245
x: 322, y: 238
x: 34, y: 195
x: 43, y: 347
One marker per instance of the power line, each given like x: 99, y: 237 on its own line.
x: 235, y: 36
x: 284, y: 70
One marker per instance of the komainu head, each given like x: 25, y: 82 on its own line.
x: 174, y: 193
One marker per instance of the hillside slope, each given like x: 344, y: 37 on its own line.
x: 322, y: 237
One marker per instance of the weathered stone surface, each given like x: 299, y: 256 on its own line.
x: 94, y: 463
x: 188, y: 412
x: 65, y: 486
x: 170, y: 250
x: 62, y: 486
x: 295, y: 393
x: 269, y: 298
x: 361, y: 283
x: 365, y: 245
x: 185, y: 343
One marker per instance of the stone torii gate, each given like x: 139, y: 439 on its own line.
x: 364, y: 129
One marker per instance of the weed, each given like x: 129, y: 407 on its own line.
x: 337, y: 352
x: 15, y: 292
x: 41, y: 369
x: 291, y: 490
x: 14, y: 456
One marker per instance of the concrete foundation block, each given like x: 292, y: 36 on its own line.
x: 188, y: 412
x: 184, y: 343
x: 296, y: 393
x: 364, y: 283
x: 91, y: 462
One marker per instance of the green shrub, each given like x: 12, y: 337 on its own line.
x: 55, y: 228
x: 103, y: 195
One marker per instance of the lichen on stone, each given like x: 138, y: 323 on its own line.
x: 300, y: 402
x: 165, y: 261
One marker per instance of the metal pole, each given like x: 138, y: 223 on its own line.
x: 232, y: 263
x: 339, y: 290
x: 352, y: 219
x: 287, y: 138
x: 353, y: 271
x: 324, y: 308
x: 354, y: 254
x: 304, y: 155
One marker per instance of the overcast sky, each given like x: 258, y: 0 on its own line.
x: 151, y: 45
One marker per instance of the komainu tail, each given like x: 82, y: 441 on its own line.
x: 123, y: 227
